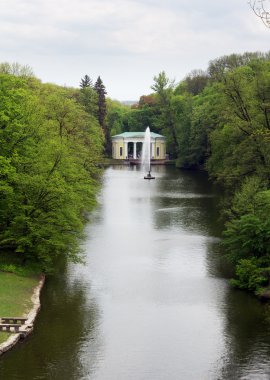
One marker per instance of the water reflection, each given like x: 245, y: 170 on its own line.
x: 64, y: 327
x: 187, y: 201
x: 152, y: 301
x: 248, y: 338
x: 151, y: 282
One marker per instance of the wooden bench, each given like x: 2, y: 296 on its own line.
x: 8, y: 327
x: 13, y: 320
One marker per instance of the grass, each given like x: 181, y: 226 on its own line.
x: 15, y: 296
x: 4, y: 336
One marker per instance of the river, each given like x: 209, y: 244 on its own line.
x: 152, y: 301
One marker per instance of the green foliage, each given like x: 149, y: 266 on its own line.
x: 207, y: 115
x: 240, y: 146
x: 102, y: 112
x: 195, y: 82
x: 181, y: 107
x: 167, y: 113
x: 115, y: 116
x: 162, y: 84
x: 249, y: 275
x: 88, y: 98
x: 49, y: 151
x: 248, y: 236
x: 246, y: 199
x: 85, y: 82
x: 16, y: 69
x: 137, y: 119
x: 220, y: 66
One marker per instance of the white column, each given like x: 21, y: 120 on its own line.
x: 134, y: 151
x: 126, y: 150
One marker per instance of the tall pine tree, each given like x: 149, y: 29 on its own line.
x: 102, y: 111
x: 88, y: 96
x: 86, y: 81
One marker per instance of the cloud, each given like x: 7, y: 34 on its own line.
x: 121, y: 37
x: 132, y: 26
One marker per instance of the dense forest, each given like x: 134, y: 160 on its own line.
x: 219, y: 120
x: 50, y: 146
x: 52, y: 140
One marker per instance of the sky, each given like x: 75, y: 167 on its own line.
x: 126, y: 42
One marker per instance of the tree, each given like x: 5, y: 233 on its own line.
x: 262, y: 10
x: 219, y: 67
x: 102, y: 112
x: 16, y: 69
x: 86, y: 81
x: 240, y: 145
x: 196, y: 81
x: 49, y: 150
x: 250, y: 276
x: 116, y: 115
x: 247, y: 234
x: 88, y: 98
x: 207, y: 115
x: 162, y: 86
x: 165, y: 115
x: 146, y: 100
x: 102, y: 108
x: 181, y: 111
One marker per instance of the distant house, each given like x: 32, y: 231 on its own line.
x: 128, y: 145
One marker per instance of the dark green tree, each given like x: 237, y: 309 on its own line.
x: 86, y: 81
x: 196, y: 81
x: 102, y: 112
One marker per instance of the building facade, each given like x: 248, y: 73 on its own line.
x: 129, y: 145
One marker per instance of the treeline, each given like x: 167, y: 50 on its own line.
x: 219, y: 120
x: 51, y: 143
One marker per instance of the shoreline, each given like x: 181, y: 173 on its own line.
x: 112, y: 161
x: 31, y: 317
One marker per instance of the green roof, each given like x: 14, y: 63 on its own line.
x: 137, y: 134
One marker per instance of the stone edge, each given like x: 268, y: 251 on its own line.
x: 31, y: 316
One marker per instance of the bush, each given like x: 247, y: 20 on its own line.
x: 249, y: 275
x: 248, y: 234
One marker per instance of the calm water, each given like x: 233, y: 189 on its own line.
x: 152, y: 301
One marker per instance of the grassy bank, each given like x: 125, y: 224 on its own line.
x: 15, y: 296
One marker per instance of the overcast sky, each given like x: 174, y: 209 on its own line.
x: 126, y: 42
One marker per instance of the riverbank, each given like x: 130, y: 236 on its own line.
x: 106, y: 162
x: 19, y: 297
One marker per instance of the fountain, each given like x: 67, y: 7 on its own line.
x: 146, y: 154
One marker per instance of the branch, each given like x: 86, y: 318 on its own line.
x: 258, y: 8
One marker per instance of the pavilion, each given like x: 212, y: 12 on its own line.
x: 128, y: 146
